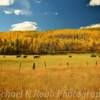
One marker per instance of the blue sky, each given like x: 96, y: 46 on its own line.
x: 48, y: 14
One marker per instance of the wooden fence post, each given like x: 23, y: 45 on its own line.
x: 1, y: 67
x: 67, y: 64
x: 45, y: 64
x: 34, y: 65
x: 96, y: 63
x: 20, y: 65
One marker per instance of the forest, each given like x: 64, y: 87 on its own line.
x: 50, y: 42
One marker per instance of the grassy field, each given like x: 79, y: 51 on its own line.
x: 57, y: 77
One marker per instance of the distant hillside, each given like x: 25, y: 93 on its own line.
x: 93, y: 29
x: 50, y: 42
x: 21, y: 34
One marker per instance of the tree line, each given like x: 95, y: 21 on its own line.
x: 49, y: 42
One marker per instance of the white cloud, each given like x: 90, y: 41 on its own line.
x: 12, y: 11
x: 38, y: 1
x: 24, y: 26
x: 22, y: 12
x: 6, y: 2
x: 7, y: 12
x: 22, y: 9
x: 17, y: 12
x: 51, y: 13
x: 92, y: 26
x: 94, y: 3
x: 56, y: 13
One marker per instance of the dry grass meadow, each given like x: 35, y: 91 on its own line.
x: 57, y: 77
